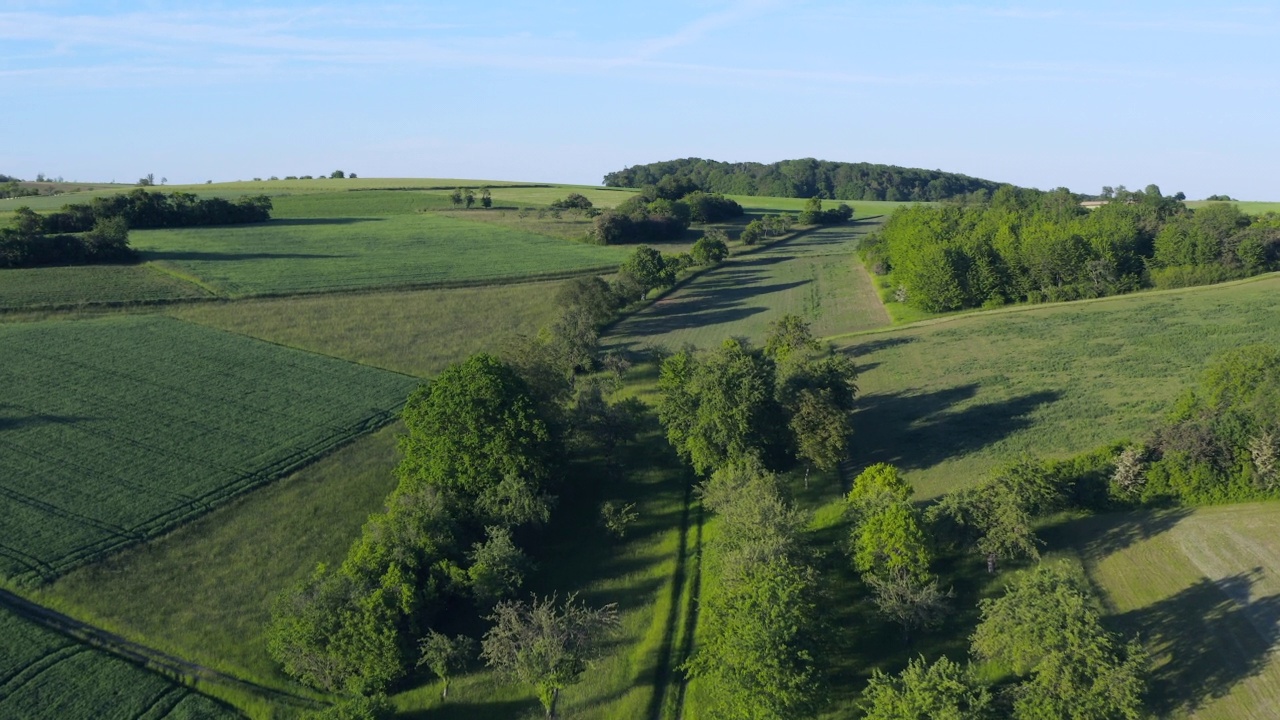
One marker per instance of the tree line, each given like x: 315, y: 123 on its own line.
x: 806, y: 177
x: 1033, y: 246
x: 660, y: 213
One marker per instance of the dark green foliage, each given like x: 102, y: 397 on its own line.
x: 640, y: 219
x: 572, y: 201
x: 143, y: 209
x: 644, y: 270
x: 711, y: 207
x: 805, y: 178
x: 362, y: 707
x: 994, y: 518
x: 942, y: 691
x: 722, y: 406
x: 813, y: 213
x: 711, y: 248
x: 1047, y: 629
x: 497, y: 567
x: 545, y: 645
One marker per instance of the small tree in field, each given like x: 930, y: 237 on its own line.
x: 444, y: 655
x: 455, y: 197
x: 546, y: 646
x: 469, y: 198
x: 486, y: 198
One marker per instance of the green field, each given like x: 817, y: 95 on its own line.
x: 44, y: 674
x: 118, y: 429
x: 949, y: 399
x: 91, y: 284
x: 417, y: 332
x: 816, y: 275
x: 1202, y: 590
x: 347, y: 253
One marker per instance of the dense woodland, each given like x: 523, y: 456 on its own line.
x: 1033, y: 246
x: 98, y: 232
x: 806, y: 178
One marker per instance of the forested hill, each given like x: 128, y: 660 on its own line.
x: 806, y: 178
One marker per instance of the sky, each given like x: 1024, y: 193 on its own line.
x: 1081, y: 94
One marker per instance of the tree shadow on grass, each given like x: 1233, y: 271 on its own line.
x: 283, y: 222
x: 874, y: 346
x: 917, y: 430
x: 1204, y: 640
x: 1098, y: 536
x: 15, y: 423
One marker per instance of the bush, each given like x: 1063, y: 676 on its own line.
x: 1180, y: 276
x: 711, y: 248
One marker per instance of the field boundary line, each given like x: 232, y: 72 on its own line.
x: 183, y: 671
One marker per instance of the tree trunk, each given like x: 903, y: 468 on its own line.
x: 444, y: 694
x: 551, y: 709
x: 991, y: 563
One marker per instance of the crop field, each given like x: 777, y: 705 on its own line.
x: 816, y: 275
x: 319, y: 254
x: 949, y: 399
x: 44, y: 674
x: 416, y: 332
x: 89, y: 284
x: 115, y: 430
x: 1202, y: 590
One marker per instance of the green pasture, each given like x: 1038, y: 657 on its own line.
x: 44, y: 674
x: 115, y: 430
x: 815, y: 275
x: 417, y: 332
x: 1201, y: 589
x: 91, y: 284
x: 204, y: 591
x: 346, y: 253
x: 862, y: 208
x: 949, y: 399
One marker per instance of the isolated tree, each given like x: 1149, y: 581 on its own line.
x: 788, y: 335
x: 1045, y: 627
x: 711, y: 248
x: 444, y: 656
x: 497, y: 566
x: 944, y: 690
x: 469, y: 198
x: 486, y: 198
x: 753, y: 233
x: 455, y: 197
x: 912, y: 600
x: 544, y: 645
x: 648, y: 269
x: 337, y: 175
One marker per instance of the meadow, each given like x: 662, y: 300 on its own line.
x: 45, y: 674
x: 62, y: 287
x: 116, y: 430
x: 815, y: 275
x: 949, y: 399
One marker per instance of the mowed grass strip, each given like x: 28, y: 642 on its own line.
x: 115, y: 430
x: 949, y: 400
x: 89, y: 285
x: 815, y: 276
x: 417, y: 332
x: 1201, y: 590
x: 46, y: 675
x: 306, y: 255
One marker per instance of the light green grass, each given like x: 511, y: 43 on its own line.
x: 417, y: 332
x: 46, y: 675
x: 91, y: 284
x: 949, y: 399
x: 1251, y: 207
x: 115, y: 430
x: 204, y: 591
x: 816, y: 275
x: 1202, y: 590
x: 314, y: 255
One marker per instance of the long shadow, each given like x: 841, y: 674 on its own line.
x: 278, y: 222
x: 874, y: 346
x: 1098, y: 536
x: 917, y: 431
x: 13, y: 423
x: 180, y: 255
x: 1205, y: 639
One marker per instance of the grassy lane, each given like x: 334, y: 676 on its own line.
x: 814, y: 275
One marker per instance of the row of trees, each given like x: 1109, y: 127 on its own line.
x: 1028, y: 245
x: 467, y: 197
x: 658, y: 214
x: 25, y: 244
x: 142, y: 209
x: 806, y: 177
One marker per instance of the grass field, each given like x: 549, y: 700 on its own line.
x: 1202, y: 590
x: 949, y: 399
x: 118, y: 429
x: 417, y: 332
x: 44, y: 674
x: 815, y: 275
x: 320, y: 254
x: 90, y: 284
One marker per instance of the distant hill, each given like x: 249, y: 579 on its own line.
x: 807, y: 177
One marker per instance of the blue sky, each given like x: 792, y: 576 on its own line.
x: 1041, y: 94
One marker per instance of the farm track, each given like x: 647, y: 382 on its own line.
x: 178, y: 669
